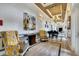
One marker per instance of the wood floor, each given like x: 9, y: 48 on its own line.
x: 47, y: 49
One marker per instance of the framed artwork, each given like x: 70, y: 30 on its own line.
x: 46, y: 25
x: 69, y: 22
x: 25, y: 21
x: 1, y: 22
x: 33, y: 20
x: 29, y: 22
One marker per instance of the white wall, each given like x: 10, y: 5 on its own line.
x: 75, y: 27
x: 9, y: 14
x: 12, y: 15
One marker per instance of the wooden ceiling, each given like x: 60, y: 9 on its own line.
x: 55, y: 9
x: 43, y: 9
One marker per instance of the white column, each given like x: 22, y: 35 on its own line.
x: 65, y: 23
x: 75, y: 27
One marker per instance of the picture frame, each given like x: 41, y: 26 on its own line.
x: 29, y: 22
x: 1, y: 22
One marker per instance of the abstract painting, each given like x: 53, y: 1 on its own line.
x: 29, y: 22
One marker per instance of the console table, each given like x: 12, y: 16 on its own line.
x: 31, y: 38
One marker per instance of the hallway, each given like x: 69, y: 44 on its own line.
x: 55, y: 26
x: 47, y: 49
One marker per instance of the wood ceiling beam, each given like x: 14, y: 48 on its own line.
x: 64, y: 7
x: 43, y: 9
